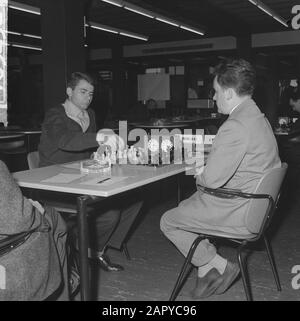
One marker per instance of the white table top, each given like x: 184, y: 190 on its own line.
x: 123, y: 178
x: 4, y: 136
x: 166, y: 125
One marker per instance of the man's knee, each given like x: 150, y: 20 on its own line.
x: 164, y: 222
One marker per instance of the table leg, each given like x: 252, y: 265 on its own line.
x: 83, y: 247
x: 178, y: 189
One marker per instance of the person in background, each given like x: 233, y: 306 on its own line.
x: 243, y: 150
x: 69, y: 134
x: 290, y: 149
x: 36, y: 269
x: 151, y: 106
x: 295, y: 104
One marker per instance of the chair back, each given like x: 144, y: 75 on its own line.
x: 33, y: 159
x: 260, y: 211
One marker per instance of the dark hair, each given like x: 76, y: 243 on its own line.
x: 76, y: 77
x: 238, y: 74
x: 295, y: 95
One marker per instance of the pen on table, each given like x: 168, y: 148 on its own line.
x: 103, y: 180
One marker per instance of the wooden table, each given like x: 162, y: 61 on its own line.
x: 123, y: 178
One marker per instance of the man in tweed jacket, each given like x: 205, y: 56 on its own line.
x: 36, y: 269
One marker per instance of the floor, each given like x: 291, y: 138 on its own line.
x: 155, y: 263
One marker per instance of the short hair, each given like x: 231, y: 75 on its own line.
x: 76, y: 77
x: 295, y: 95
x: 238, y: 74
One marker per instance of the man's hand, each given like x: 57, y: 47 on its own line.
x: 109, y: 138
x: 198, y: 171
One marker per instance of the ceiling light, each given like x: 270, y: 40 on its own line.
x: 117, y: 31
x: 192, y: 30
x: 268, y: 11
x: 167, y: 21
x: 23, y: 34
x: 23, y: 7
x: 151, y: 14
x: 31, y: 36
x: 12, y: 44
x: 138, y: 11
x: 132, y: 35
x: 101, y: 27
x: 281, y: 21
x: 14, y: 33
x: 115, y: 3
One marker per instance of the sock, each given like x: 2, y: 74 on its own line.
x: 93, y: 253
x: 219, y: 263
x: 204, y: 269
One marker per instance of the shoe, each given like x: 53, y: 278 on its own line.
x: 207, y: 285
x: 231, y: 272
x: 106, y: 265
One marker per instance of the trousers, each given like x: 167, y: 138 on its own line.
x: 181, y: 228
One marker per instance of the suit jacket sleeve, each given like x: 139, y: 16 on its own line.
x: 56, y: 126
x: 228, y: 150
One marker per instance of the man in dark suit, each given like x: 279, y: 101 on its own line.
x: 243, y: 150
x: 69, y: 134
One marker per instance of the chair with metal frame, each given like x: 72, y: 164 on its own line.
x: 262, y: 205
x: 9, y: 242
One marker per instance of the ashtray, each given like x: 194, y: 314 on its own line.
x: 94, y: 166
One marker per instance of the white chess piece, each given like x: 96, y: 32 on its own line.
x: 109, y: 138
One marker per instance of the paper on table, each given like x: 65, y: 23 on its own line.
x: 63, y: 178
x: 97, y: 181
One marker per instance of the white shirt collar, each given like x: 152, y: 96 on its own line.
x: 81, y: 116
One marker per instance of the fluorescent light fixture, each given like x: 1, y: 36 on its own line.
x: 268, y: 11
x: 281, y: 21
x: 23, y: 34
x: 138, y: 11
x: 31, y: 36
x: 115, y: 3
x: 14, y: 33
x: 102, y: 27
x: 36, y: 10
x: 18, y: 45
x: 23, y: 7
x: 192, y: 30
x: 167, y: 21
x: 132, y: 35
x: 117, y: 31
x: 153, y: 15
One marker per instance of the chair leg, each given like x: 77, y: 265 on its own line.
x: 243, y: 272
x: 182, y: 273
x: 272, y: 262
x: 126, y: 252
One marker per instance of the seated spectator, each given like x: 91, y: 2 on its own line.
x: 37, y: 268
